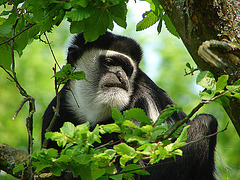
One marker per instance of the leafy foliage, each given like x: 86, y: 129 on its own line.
x: 66, y: 73
x: 156, y: 14
x: 22, y: 21
x: 136, y: 142
x: 220, y: 88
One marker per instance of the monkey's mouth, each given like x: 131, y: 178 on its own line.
x: 115, y: 85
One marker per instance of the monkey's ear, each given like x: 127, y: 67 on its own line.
x: 73, y: 54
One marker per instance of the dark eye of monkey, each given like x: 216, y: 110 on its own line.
x: 116, y: 60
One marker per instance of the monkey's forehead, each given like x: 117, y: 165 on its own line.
x: 92, y: 58
x: 110, y: 41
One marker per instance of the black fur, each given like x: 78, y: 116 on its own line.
x: 197, y: 162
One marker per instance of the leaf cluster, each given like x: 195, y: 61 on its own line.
x: 66, y: 73
x: 23, y: 21
x: 135, y: 143
x: 156, y: 15
x: 218, y: 89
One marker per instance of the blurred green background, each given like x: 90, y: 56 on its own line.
x: 164, y: 61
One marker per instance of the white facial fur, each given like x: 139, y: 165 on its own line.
x: 93, y: 103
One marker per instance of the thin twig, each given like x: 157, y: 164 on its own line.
x: 191, y: 72
x: 51, y: 50
x: 200, y: 105
x: 20, y: 106
x: 55, y: 109
x: 208, y: 136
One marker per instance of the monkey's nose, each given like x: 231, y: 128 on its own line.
x: 119, y: 76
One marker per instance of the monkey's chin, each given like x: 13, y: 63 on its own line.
x: 114, y: 97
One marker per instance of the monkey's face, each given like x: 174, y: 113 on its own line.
x: 110, y: 76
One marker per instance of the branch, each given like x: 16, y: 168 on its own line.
x: 199, y: 106
x: 191, y: 72
x: 55, y: 110
x: 20, y: 107
x: 12, y: 38
x: 180, y: 123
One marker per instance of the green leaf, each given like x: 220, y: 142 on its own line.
x: 82, y: 129
x: 124, y: 149
x: 117, y: 116
x: 68, y: 128
x: 181, y: 139
x: 206, y: 80
x: 63, y: 158
x: 80, y: 75
x: 96, y: 25
x: 56, y: 136
x: 77, y: 26
x: 138, y: 139
x: 78, y: 14
x: 237, y: 95
x: 149, y: 19
x: 129, y: 123
x: 94, y: 135
x: 52, y: 152
x: 56, y: 170
x: 120, y: 22
x: 177, y: 132
x: 124, y: 159
x: 96, y: 172
x: 207, y: 95
x: 82, y: 3
x: 139, y: 115
x: 110, y: 128
x: 159, y: 27
x: 85, y: 172
x: 6, y: 28
x: 221, y: 83
x: 166, y: 113
x: 117, y: 177
x: 40, y: 165
x: 6, y: 56
x: 131, y: 167
x: 18, y: 168
x: 119, y: 13
x: 83, y: 159
x: 147, y: 129
x: 21, y: 41
x: 170, y: 27
x: 235, y: 88
x: 158, y: 131
x: 188, y: 65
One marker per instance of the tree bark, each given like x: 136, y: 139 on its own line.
x: 216, y: 23
x: 11, y: 157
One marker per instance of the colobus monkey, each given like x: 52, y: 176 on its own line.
x: 111, y: 64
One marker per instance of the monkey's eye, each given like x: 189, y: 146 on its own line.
x: 109, y: 62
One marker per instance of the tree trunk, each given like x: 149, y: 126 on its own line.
x: 212, y: 25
